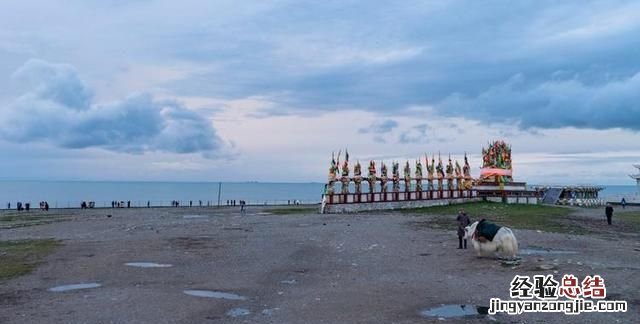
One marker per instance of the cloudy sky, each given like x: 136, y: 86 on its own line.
x: 266, y: 90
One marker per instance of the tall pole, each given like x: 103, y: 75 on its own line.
x: 219, y: 190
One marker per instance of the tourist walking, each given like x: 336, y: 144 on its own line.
x: 463, y: 221
x: 609, y: 212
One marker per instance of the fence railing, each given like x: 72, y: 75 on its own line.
x: 158, y: 203
x: 347, y: 198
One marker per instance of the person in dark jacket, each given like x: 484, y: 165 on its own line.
x: 463, y: 221
x: 609, y: 212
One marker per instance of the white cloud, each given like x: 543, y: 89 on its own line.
x: 59, y: 110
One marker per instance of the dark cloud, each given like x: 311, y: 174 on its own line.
x: 56, y: 83
x: 380, y: 127
x: 386, y: 57
x: 416, y: 134
x: 59, y: 110
x: 379, y: 139
x: 445, y: 55
x: 554, y: 104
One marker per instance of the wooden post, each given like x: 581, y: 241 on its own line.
x: 219, y: 191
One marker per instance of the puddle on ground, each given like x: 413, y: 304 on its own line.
x: 263, y: 213
x: 511, y: 263
x: 195, y: 216
x: 289, y: 281
x: 268, y: 311
x: 148, y: 265
x: 75, y: 287
x: 214, y: 294
x: 534, y: 250
x: 237, y: 312
x: 449, y: 311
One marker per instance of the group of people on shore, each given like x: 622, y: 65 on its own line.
x: 20, y: 206
x: 85, y: 204
x: 44, y: 205
x: 234, y: 202
x: 120, y: 204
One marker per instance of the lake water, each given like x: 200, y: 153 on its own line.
x: 614, y: 191
x: 70, y: 193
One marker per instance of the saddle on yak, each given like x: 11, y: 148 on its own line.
x: 487, y: 230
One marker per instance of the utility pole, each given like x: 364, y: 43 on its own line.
x: 219, y: 191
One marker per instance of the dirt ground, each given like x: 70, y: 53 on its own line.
x: 295, y: 268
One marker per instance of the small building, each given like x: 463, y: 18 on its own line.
x: 579, y: 195
x: 509, y: 193
x: 636, y: 176
x: 630, y: 198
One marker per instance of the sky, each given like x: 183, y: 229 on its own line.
x: 159, y: 90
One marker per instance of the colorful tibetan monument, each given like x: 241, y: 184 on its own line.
x: 496, y: 163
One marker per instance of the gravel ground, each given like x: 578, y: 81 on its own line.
x: 298, y: 268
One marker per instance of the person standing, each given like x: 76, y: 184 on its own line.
x: 623, y: 202
x: 609, y: 212
x: 463, y: 221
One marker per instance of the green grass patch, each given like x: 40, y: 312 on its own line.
x: 492, y: 209
x: 293, y: 210
x: 21, y: 257
x: 22, y: 219
x: 631, y: 219
x: 534, y: 217
x: 18, y: 217
x: 633, y: 216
